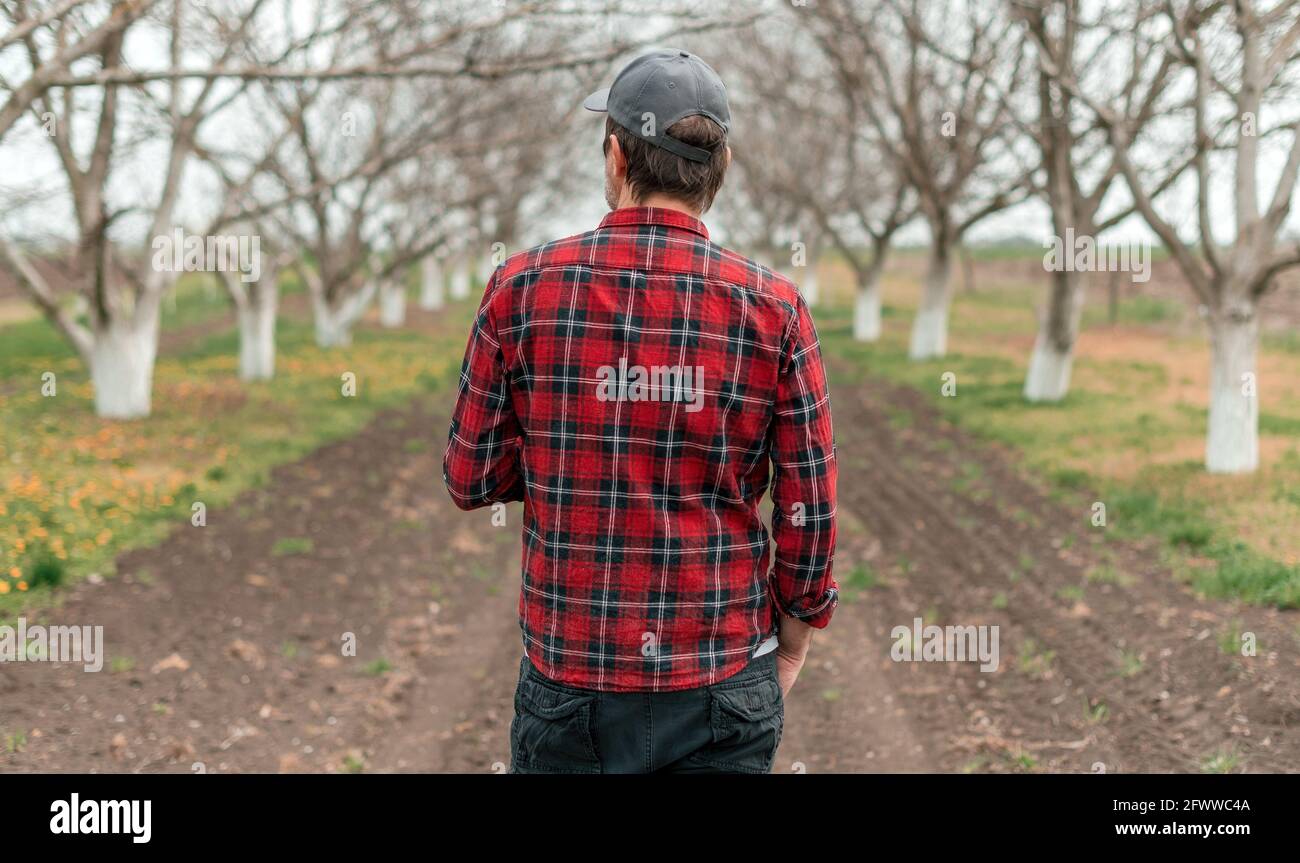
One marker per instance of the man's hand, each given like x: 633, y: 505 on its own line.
x: 787, y: 670
x: 793, y: 641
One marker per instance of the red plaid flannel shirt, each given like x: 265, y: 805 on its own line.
x: 630, y: 386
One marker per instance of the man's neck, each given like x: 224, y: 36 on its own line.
x: 662, y: 202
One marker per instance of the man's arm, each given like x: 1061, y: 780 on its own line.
x: 481, y: 464
x: 803, y: 497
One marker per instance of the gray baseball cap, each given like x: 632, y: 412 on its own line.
x: 656, y: 90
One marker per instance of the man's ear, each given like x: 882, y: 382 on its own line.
x: 616, y: 153
x: 728, y: 165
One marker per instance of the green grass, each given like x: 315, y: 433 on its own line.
x: 1033, y: 660
x: 858, y: 581
x: 291, y: 545
x: 1139, y: 309
x: 1071, y: 593
x: 15, y: 741
x: 1130, y: 664
x: 1230, y: 643
x: 1237, y: 571
x: 1095, y: 713
x: 1106, y: 573
x: 1221, y: 761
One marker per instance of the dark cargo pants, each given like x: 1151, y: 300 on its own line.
x: 730, y: 727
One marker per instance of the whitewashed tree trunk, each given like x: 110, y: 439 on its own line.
x: 120, y: 347
x: 866, y: 309
x: 1048, y: 379
x: 460, y: 282
x: 257, y: 331
x: 485, y: 267
x: 930, y: 328
x: 810, y: 286
x: 1232, y: 442
x: 1052, y: 361
x: 330, y: 331
x: 334, y: 324
x: 432, y: 289
x: 392, y: 302
x: 121, y: 368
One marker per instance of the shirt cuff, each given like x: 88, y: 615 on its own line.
x: 814, y: 611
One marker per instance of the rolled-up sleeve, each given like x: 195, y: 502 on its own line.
x: 803, y: 480
x: 481, y: 464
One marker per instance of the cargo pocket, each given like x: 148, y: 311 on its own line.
x: 746, y: 722
x: 551, y: 731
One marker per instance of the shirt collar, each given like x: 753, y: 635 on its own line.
x: 654, y: 216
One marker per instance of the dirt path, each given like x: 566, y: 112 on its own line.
x: 1106, y: 663
x: 225, y: 643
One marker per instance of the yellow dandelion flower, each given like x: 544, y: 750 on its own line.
x: 4, y: 587
x: 22, y: 585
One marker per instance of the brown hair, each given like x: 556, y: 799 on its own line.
x: 654, y: 170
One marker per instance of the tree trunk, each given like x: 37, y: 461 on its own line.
x: 331, y: 331
x: 1232, y: 442
x: 1050, y: 365
x: 431, y: 284
x: 967, y: 270
x: 121, y: 368
x: 334, y: 323
x: 930, y: 328
x: 257, y: 331
x: 460, y: 284
x: 811, y: 287
x: 866, y: 308
x: 392, y: 303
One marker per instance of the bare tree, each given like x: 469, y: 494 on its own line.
x: 773, y: 181
x: 74, y: 73
x: 52, y: 36
x: 374, y: 167
x: 1080, y: 169
x: 1242, y: 63
x: 935, y: 80
x: 119, y: 341
x: 255, y: 295
x: 837, y: 178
